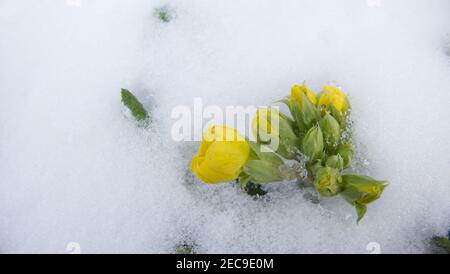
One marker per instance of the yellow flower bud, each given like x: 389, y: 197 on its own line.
x: 297, y: 92
x: 346, y: 152
x: 221, y: 156
x: 312, y: 145
x: 271, y: 126
x: 332, y: 95
x: 331, y: 131
x: 335, y: 161
x: 328, y: 181
x: 360, y: 191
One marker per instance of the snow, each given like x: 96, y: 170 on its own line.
x: 75, y: 169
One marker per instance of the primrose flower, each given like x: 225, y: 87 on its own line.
x: 361, y: 190
x: 302, y: 105
x: 221, y: 156
x: 298, y: 91
x: 332, y: 95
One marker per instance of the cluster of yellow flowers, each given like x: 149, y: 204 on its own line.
x: 317, y: 129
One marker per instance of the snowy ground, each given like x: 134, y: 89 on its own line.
x: 74, y: 169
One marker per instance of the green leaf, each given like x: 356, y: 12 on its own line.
x: 361, y: 211
x: 276, y: 130
x: 305, y: 114
x: 265, y: 156
x: 331, y: 132
x: 311, y: 114
x: 346, y: 152
x: 312, y: 145
x: 164, y: 14
x: 296, y: 112
x: 442, y: 242
x: 314, y: 166
x: 287, y: 128
x: 361, y: 180
x: 351, y: 194
x: 243, y: 180
x: 335, y: 161
x: 362, y: 189
x: 136, y: 108
x: 340, y: 118
x: 263, y: 171
x: 285, y: 101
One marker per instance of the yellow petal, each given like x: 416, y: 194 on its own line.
x: 297, y: 92
x: 222, y: 133
x: 332, y: 95
x: 207, y: 174
x: 221, y: 156
x: 218, y: 133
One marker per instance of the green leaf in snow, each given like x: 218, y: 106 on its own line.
x: 136, y: 108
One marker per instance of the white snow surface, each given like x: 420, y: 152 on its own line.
x: 74, y: 169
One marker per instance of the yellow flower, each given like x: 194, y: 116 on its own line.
x: 221, y: 156
x: 362, y: 189
x: 332, y: 95
x: 297, y: 92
